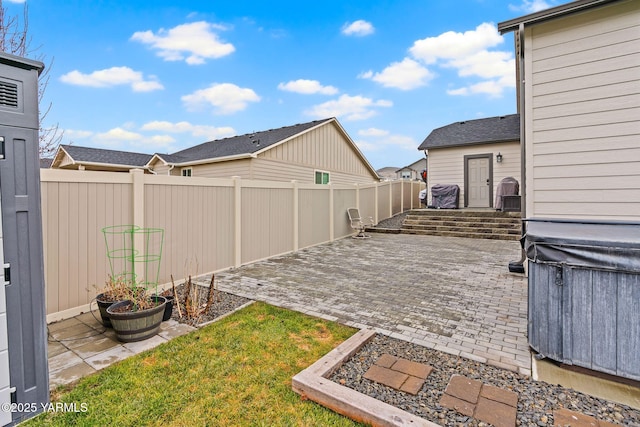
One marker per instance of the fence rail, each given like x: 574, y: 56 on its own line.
x: 210, y: 224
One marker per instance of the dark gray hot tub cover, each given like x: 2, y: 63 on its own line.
x: 603, y: 246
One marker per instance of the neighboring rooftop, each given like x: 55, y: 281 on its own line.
x: 472, y: 132
x: 388, y: 172
x: 238, y: 145
x: 93, y: 156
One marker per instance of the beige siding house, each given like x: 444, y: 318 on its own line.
x: 475, y: 155
x: 580, y: 115
x: 315, y: 152
x: 581, y: 111
x: 412, y: 171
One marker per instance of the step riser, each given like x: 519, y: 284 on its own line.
x: 464, y: 223
x: 473, y: 224
x: 466, y: 235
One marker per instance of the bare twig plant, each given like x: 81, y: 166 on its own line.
x: 192, y: 296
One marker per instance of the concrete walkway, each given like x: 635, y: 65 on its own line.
x: 81, y: 346
x: 452, y: 294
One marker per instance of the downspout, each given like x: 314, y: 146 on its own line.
x: 426, y: 185
x: 518, y: 266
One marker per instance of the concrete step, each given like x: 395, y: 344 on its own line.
x: 471, y: 235
x: 471, y: 222
x: 487, y: 224
x: 461, y: 227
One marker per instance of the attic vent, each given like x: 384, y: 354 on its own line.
x: 8, y: 94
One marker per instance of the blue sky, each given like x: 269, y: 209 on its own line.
x: 161, y: 76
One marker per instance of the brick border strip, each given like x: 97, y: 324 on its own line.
x: 313, y: 384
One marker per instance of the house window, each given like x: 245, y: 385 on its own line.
x: 186, y: 171
x: 322, y: 177
x: 406, y: 175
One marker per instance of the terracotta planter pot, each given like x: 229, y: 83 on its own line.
x: 131, y: 326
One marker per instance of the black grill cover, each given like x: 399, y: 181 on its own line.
x: 444, y: 196
x: 508, y: 187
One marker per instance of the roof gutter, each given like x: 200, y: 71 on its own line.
x: 552, y: 13
x: 217, y: 160
x: 466, y: 144
x: 112, y: 165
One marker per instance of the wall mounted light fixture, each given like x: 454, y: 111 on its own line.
x: 499, y: 158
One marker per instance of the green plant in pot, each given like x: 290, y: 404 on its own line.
x: 138, y: 317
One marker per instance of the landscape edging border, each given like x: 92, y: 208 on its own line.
x: 313, y: 384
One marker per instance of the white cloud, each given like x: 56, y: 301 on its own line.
x: 485, y: 64
x: 193, y: 43
x: 349, y: 107
x: 17, y: 1
x: 452, y: 45
x: 493, y: 88
x: 379, y: 139
x: 530, y: 6
x: 72, y: 134
x: 113, y: 76
x: 204, y: 132
x: 307, y: 87
x: 485, y: 71
x: 226, y: 98
x: 358, y: 28
x: 405, y: 75
x: 118, y: 135
x: 373, y: 132
x: 163, y: 140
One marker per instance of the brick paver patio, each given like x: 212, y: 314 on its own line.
x: 451, y: 294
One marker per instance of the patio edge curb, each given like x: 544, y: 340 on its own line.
x: 313, y: 384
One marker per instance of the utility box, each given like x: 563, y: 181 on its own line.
x: 24, y: 381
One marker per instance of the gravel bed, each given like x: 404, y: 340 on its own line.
x: 395, y: 222
x: 536, y: 400
x: 223, y: 303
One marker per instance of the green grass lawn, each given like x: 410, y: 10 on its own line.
x: 235, y: 372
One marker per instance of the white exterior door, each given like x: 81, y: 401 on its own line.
x: 5, y: 389
x: 478, y: 174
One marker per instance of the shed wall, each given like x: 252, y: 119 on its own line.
x: 446, y: 165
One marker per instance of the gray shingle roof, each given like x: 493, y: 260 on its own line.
x: 237, y: 145
x: 472, y: 132
x: 113, y: 157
